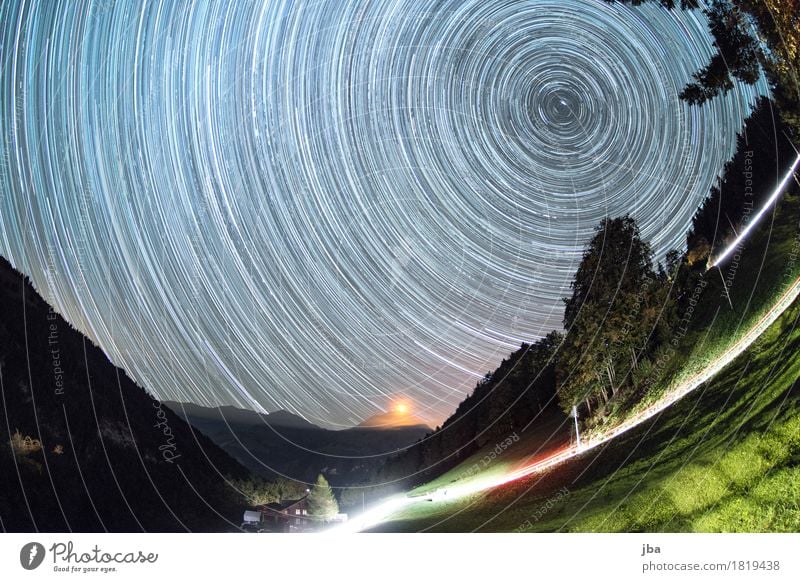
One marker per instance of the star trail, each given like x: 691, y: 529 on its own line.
x: 326, y: 206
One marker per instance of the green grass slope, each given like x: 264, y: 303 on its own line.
x: 724, y: 458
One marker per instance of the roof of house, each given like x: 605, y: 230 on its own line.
x: 282, y: 505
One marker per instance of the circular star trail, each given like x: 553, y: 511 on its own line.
x: 326, y: 206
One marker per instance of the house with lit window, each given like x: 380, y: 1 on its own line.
x: 287, y: 516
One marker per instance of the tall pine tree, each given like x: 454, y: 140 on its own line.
x: 609, y: 318
x: 321, y: 502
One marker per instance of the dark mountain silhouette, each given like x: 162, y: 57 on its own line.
x: 763, y: 153
x: 518, y: 397
x: 234, y: 415
x: 281, y: 444
x: 287, y: 419
x: 86, y: 449
x: 393, y: 419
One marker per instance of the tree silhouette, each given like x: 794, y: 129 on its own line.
x: 738, y: 56
x: 747, y: 179
x: 738, y: 53
x: 609, y: 318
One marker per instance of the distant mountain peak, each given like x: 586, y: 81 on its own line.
x: 286, y: 418
x: 393, y: 419
x: 236, y: 415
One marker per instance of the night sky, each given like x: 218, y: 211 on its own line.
x: 329, y: 206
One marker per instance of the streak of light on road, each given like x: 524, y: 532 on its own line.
x: 379, y: 512
x: 754, y: 220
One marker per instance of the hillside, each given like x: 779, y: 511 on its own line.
x: 725, y: 458
x: 84, y: 448
x: 239, y: 416
x: 393, y: 419
x: 284, y: 445
x: 703, y: 312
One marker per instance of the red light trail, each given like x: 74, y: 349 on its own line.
x: 376, y: 514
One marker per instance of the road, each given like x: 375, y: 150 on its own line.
x: 387, y: 507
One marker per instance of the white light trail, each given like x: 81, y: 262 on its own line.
x: 751, y: 224
x: 372, y: 516
x: 378, y: 513
x: 327, y: 182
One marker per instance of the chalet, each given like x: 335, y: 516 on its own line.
x: 287, y: 516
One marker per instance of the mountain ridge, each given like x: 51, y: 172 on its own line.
x: 88, y: 450
x: 300, y: 451
x: 282, y: 418
x: 392, y: 419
